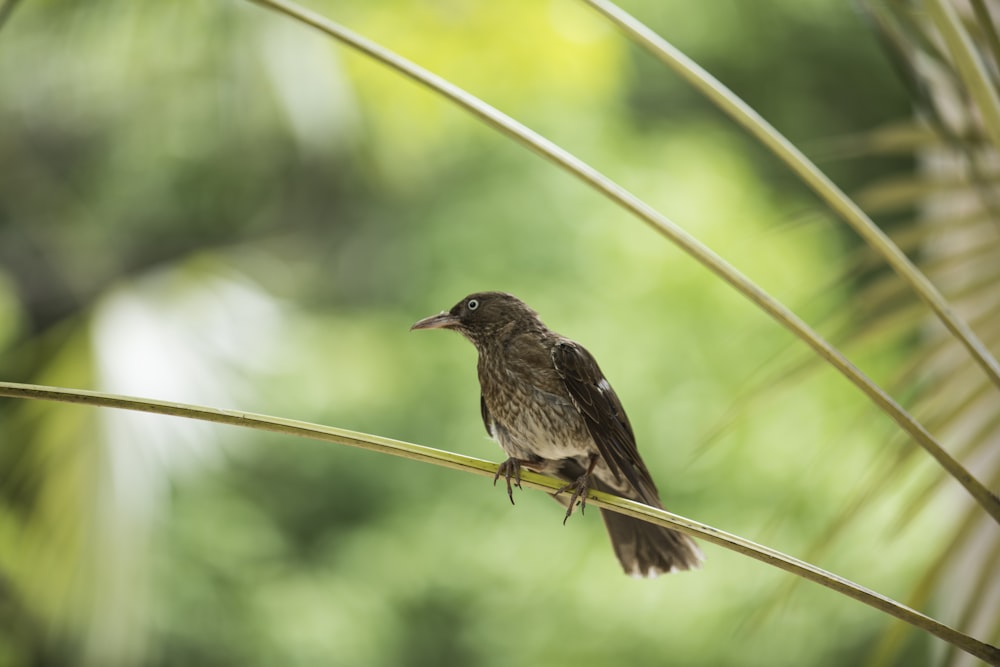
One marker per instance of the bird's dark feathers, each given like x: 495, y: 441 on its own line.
x: 603, y: 413
x: 545, y: 400
x: 487, y: 419
x: 486, y: 316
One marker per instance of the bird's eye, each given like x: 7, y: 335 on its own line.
x: 472, y: 304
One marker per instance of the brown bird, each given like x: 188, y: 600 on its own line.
x: 547, y: 403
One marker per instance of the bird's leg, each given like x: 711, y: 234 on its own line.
x: 580, y: 487
x: 511, y: 468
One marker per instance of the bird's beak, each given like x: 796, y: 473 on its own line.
x: 442, y: 321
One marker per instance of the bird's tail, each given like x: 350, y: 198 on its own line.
x: 643, y: 549
x: 648, y: 550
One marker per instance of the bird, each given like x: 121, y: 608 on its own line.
x: 545, y: 400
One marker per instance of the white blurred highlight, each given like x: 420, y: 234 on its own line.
x: 181, y: 335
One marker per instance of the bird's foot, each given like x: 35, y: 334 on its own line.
x: 579, y: 487
x: 510, y: 469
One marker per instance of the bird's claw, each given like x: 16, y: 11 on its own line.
x: 580, y: 487
x: 511, y: 468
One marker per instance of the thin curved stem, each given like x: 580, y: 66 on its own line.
x: 969, y: 65
x: 686, y: 242
x: 455, y: 461
x: 989, y: 29
x: 812, y: 176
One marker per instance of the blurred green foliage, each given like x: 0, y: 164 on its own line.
x: 207, y: 203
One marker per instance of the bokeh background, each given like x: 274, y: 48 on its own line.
x: 206, y: 202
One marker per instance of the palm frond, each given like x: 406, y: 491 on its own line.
x: 953, y: 230
x: 456, y: 461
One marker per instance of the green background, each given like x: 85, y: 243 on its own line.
x: 205, y: 202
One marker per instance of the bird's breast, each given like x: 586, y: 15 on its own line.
x: 533, y: 416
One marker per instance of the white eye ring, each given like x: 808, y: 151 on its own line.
x: 472, y: 304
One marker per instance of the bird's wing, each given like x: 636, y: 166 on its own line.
x: 602, y: 411
x: 487, y: 417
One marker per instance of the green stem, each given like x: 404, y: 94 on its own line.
x: 660, y: 223
x: 454, y: 461
x: 820, y: 183
x: 985, y: 21
x: 970, y: 66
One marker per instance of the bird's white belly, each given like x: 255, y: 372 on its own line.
x: 539, y: 426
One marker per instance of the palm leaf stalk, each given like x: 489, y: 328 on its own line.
x: 456, y: 461
x: 682, y: 239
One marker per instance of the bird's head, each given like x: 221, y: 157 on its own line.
x: 484, y: 317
